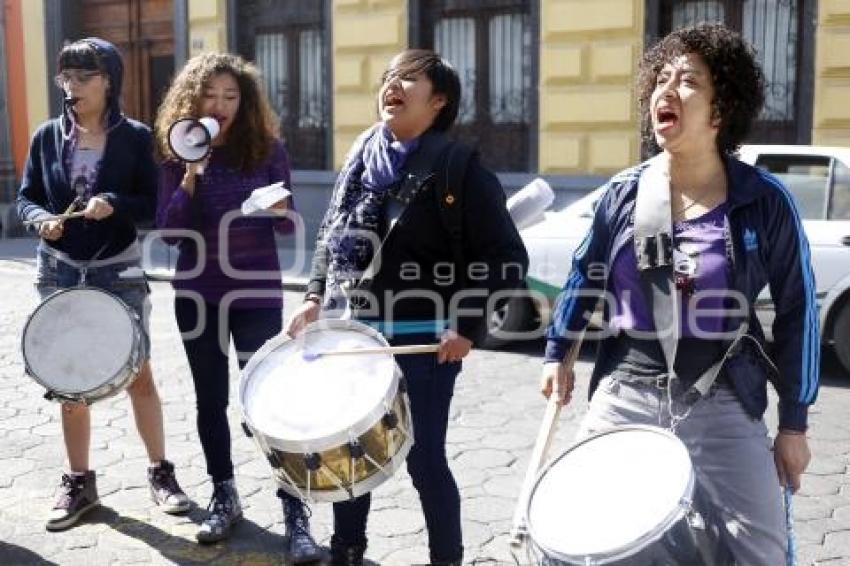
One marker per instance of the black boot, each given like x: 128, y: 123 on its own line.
x: 300, y: 546
x: 344, y: 555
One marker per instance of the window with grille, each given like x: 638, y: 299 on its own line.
x: 491, y: 44
x: 778, y: 31
x: 289, y: 42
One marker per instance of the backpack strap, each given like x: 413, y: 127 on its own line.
x: 449, y: 194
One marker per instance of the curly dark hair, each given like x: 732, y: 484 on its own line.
x: 255, y: 126
x: 736, y: 76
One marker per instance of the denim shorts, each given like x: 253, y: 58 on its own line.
x: 125, y: 280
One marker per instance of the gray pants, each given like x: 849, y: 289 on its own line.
x: 730, y: 451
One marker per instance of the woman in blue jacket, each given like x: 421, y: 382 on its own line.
x: 93, y: 153
x: 735, y: 230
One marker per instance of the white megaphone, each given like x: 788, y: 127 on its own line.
x: 190, y: 139
x: 526, y: 206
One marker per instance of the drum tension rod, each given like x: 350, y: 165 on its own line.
x: 390, y: 420
x: 355, y: 450
x: 313, y: 461
x: 247, y: 430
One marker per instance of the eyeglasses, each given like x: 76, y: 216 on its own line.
x: 77, y: 75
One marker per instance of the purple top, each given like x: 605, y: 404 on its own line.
x: 219, y: 192
x: 701, y: 266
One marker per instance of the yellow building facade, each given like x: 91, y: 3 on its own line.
x: 587, y: 115
x: 832, y: 74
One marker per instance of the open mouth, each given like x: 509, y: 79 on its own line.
x: 665, y: 118
x: 221, y: 119
x: 393, y: 100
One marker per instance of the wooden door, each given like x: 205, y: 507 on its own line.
x: 143, y: 31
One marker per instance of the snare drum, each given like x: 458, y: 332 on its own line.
x: 332, y: 428
x: 627, y: 495
x: 83, y: 344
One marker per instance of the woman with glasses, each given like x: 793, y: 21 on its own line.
x: 407, y: 300
x: 94, y: 158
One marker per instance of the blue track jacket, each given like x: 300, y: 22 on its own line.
x: 766, y: 245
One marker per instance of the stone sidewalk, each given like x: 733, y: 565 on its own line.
x: 495, y: 417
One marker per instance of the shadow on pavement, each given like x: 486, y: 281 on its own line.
x: 249, y: 543
x: 13, y: 554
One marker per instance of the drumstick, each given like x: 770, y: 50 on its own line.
x: 65, y: 216
x: 791, y: 550
x: 539, y: 455
x: 416, y: 349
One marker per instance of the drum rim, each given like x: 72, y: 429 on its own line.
x: 136, y: 353
x: 634, y: 546
x: 318, y: 444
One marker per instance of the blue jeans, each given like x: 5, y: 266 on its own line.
x: 430, y: 386
x: 249, y: 328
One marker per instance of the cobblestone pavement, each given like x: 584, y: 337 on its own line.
x: 495, y: 417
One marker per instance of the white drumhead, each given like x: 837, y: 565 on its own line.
x: 609, y: 492
x: 77, y: 340
x: 290, y: 398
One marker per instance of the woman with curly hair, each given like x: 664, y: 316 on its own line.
x: 732, y: 229
x: 215, y: 303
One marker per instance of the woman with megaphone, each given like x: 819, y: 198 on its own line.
x: 94, y: 158
x: 228, y: 147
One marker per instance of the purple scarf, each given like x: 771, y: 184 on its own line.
x: 373, y: 165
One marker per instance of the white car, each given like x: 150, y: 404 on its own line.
x: 819, y: 180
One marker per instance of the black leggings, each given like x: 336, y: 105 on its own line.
x: 208, y: 359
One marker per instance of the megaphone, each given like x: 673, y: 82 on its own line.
x: 526, y: 206
x: 190, y: 139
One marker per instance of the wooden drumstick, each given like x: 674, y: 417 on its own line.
x: 539, y: 454
x: 415, y: 349
x: 54, y: 217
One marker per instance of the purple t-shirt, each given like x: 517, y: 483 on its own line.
x: 701, y: 267
x: 250, y: 265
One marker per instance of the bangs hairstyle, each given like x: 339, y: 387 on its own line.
x: 442, y: 75
x: 255, y: 125
x: 736, y: 76
x: 80, y: 55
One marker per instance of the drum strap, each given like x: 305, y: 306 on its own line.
x: 653, y: 241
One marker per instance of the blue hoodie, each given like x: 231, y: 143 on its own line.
x: 127, y: 177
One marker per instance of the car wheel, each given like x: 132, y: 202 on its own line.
x: 841, y: 336
x: 515, y: 315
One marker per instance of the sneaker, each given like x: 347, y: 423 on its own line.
x: 165, y: 491
x: 300, y: 546
x: 344, y: 555
x: 77, y: 495
x: 225, y: 511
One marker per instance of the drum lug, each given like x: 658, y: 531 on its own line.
x: 355, y: 450
x: 313, y: 461
x: 390, y: 420
x: 247, y: 430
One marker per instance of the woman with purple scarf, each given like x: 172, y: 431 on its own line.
x: 420, y: 274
